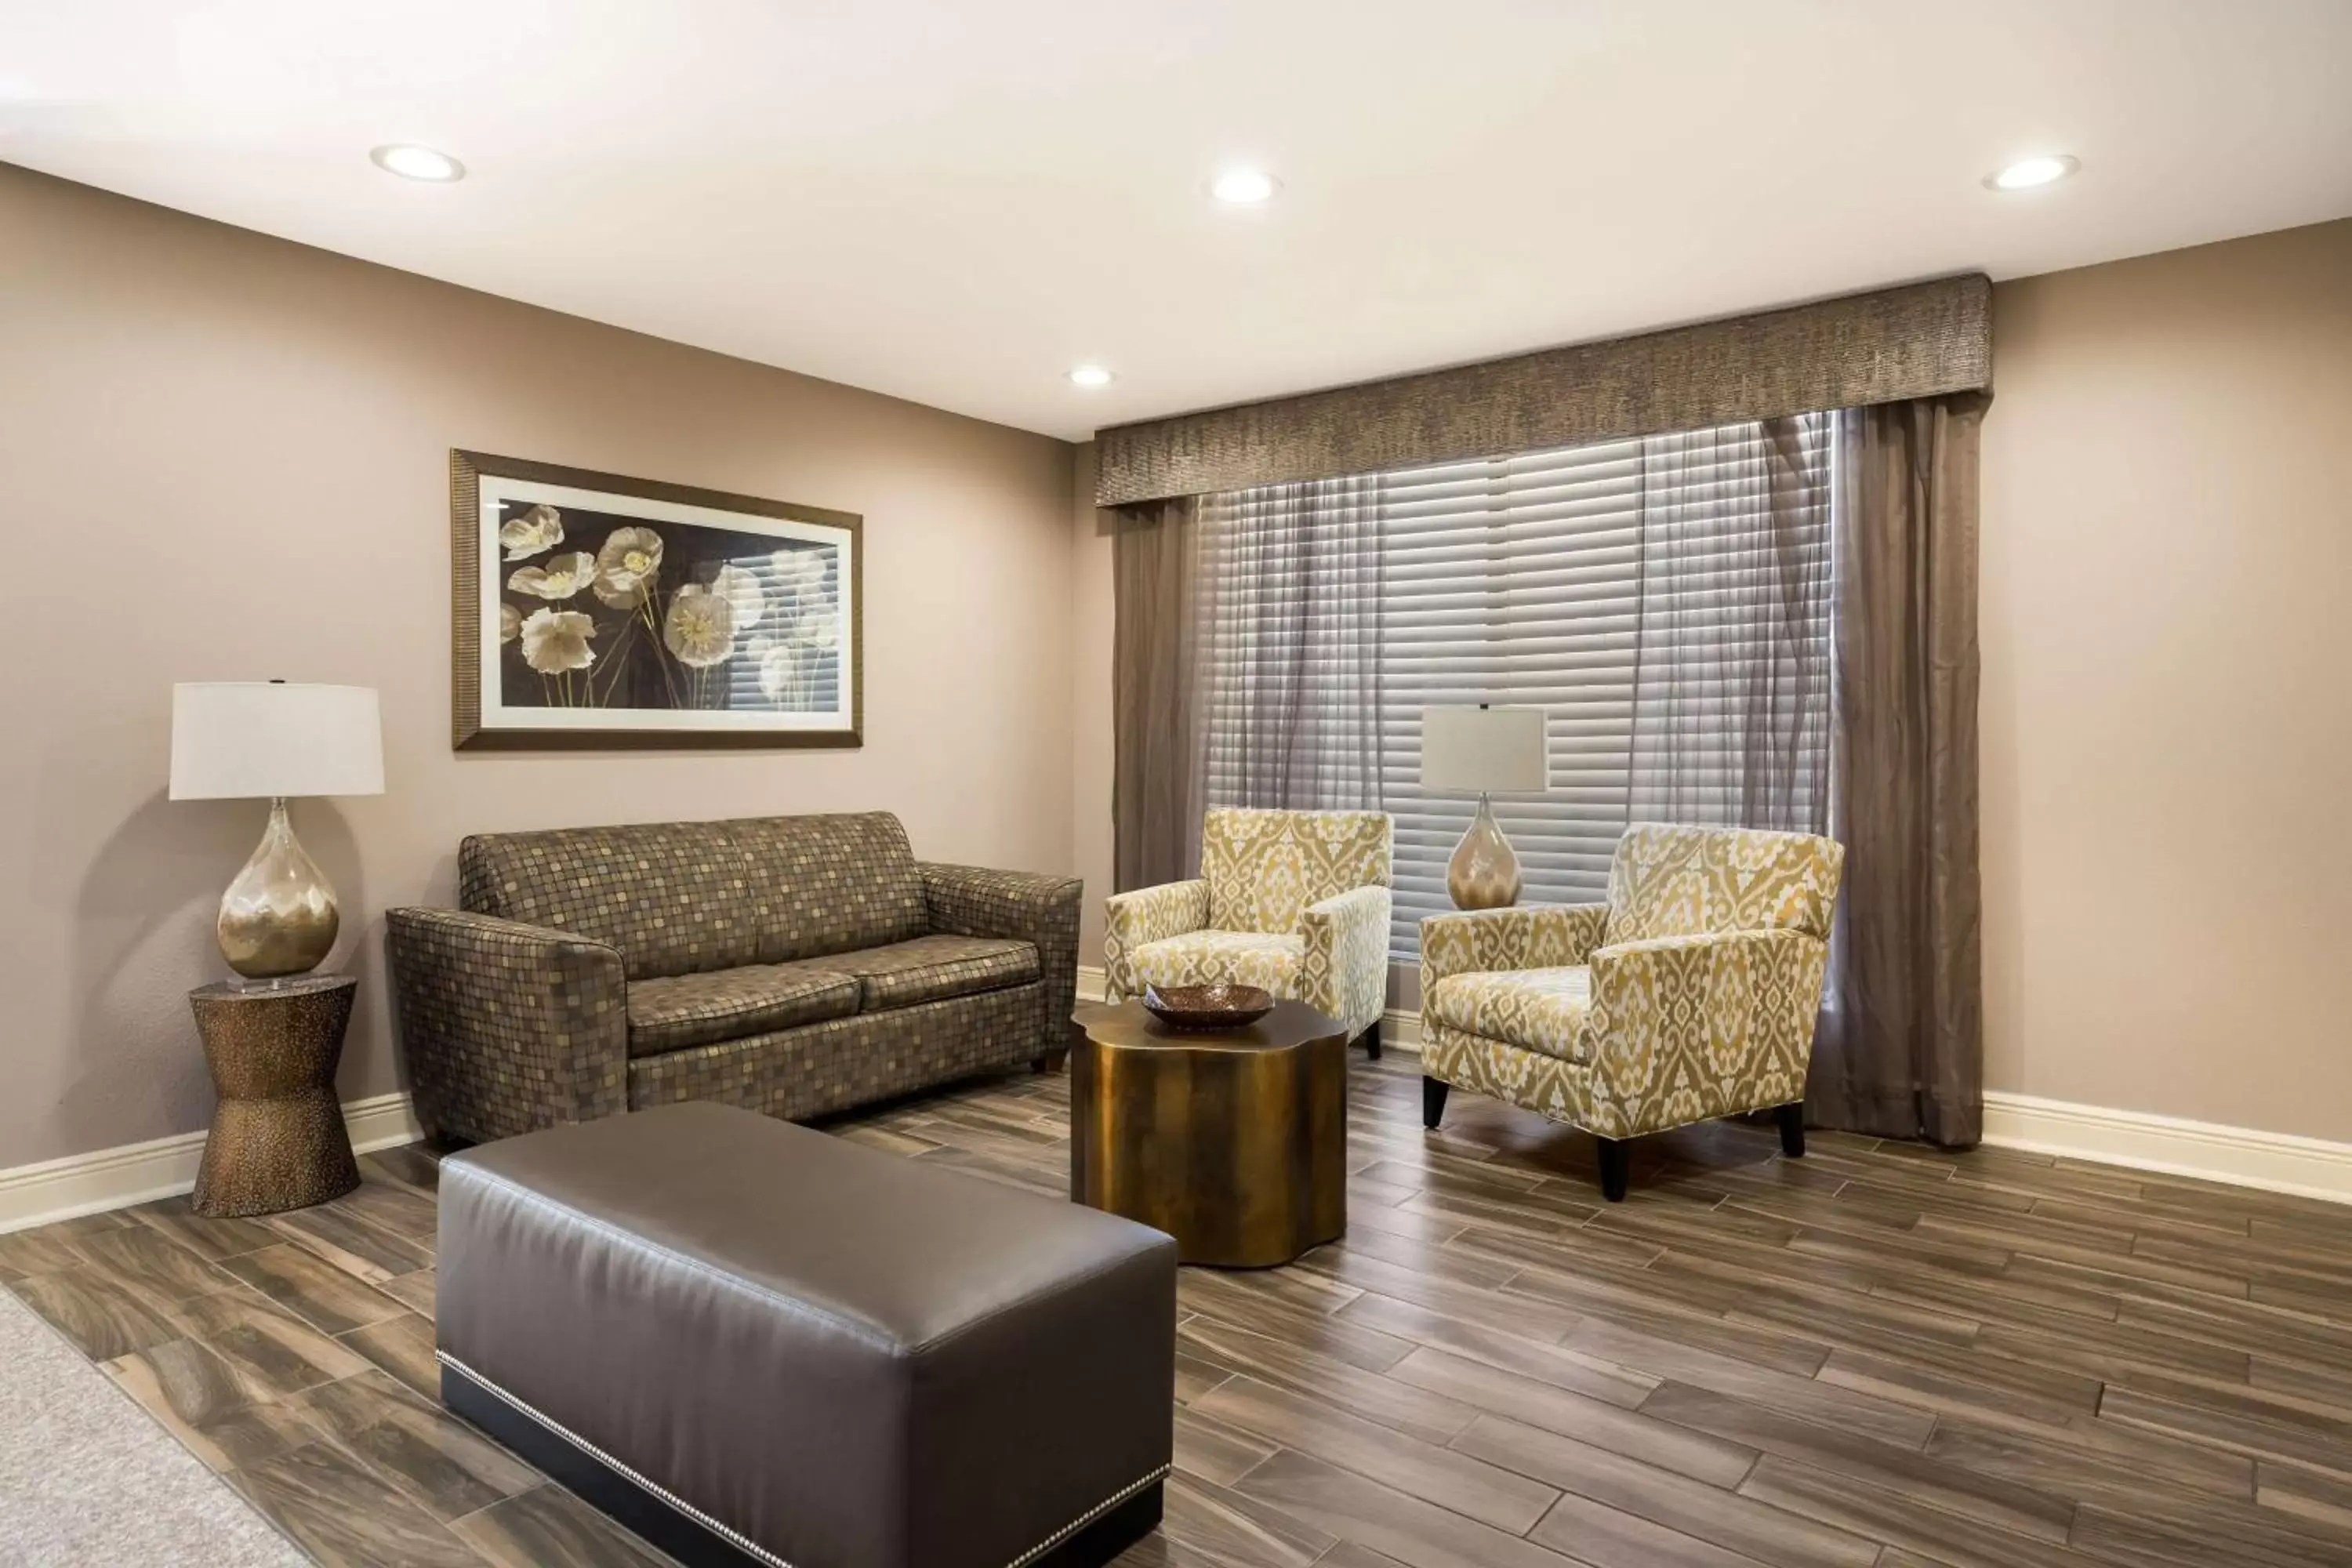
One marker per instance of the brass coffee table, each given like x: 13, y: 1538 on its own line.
x: 1235, y: 1143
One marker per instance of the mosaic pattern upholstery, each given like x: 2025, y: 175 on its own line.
x: 846, y: 1062
x: 1146, y: 915
x: 931, y: 967
x: 1540, y: 1009
x: 506, y: 1026
x: 509, y: 1026
x: 1212, y: 957
x: 970, y: 901
x: 1680, y: 881
x: 1343, y: 968
x: 684, y: 898
x: 1650, y: 1031
x: 1531, y: 936
x: 1265, y: 868
x: 669, y: 1013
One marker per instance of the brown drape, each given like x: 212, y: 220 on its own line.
x: 1155, y: 787
x: 1900, y: 1051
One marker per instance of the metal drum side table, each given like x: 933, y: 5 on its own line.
x: 277, y: 1139
x: 1235, y: 1142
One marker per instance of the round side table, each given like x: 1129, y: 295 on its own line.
x: 1236, y: 1143
x: 277, y: 1139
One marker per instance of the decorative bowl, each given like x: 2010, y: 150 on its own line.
x: 1208, y: 1006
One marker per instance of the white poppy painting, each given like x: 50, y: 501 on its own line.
x: 593, y: 610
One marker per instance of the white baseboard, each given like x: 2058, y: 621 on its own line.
x: 161, y: 1168
x: 2242, y: 1156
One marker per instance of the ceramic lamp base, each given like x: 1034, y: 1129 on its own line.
x: 278, y: 917
x: 1484, y: 871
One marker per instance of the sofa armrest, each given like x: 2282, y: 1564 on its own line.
x: 970, y: 901
x: 1344, y: 971
x: 505, y: 1028
x: 1529, y: 936
x: 1147, y: 914
x: 1683, y: 1028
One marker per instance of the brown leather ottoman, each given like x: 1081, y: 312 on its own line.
x: 755, y: 1343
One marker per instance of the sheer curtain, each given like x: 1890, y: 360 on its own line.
x: 1287, y: 612
x: 1732, y: 651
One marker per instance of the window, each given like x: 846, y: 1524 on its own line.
x: 1632, y: 589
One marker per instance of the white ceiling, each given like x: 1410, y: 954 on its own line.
x: 956, y: 200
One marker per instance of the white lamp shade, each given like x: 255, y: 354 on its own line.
x: 1493, y: 750
x: 236, y: 740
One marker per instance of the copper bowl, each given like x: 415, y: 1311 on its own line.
x: 1208, y: 1006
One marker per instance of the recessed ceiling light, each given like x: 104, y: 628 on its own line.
x: 1245, y: 187
x: 2028, y: 173
x: 414, y: 162
x: 1090, y: 375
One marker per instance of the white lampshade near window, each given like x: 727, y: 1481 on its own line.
x: 1490, y: 751
x: 269, y: 740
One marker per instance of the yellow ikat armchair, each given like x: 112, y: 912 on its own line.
x: 1690, y: 995
x: 1295, y: 901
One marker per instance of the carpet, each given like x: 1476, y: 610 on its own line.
x: 87, y: 1477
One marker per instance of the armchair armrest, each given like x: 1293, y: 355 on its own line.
x: 968, y: 900
x: 505, y: 1028
x: 1682, y: 1028
x: 1344, y: 971
x: 1530, y: 936
x: 1147, y: 914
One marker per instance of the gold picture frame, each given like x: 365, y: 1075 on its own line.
x: 595, y: 611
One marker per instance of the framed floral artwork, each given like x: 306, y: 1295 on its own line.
x: 592, y: 610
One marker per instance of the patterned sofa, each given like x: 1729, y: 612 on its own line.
x: 1691, y: 994
x: 1295, y: 901
x: 790, y: 964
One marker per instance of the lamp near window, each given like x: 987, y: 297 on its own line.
x: 1491, y: 751
x: 264, y: 739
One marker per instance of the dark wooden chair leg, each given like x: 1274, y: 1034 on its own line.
x: 1615, y: 1158
x: 1432, y: 1099
x: 1370, y: 1040
x: 1052, y: 1061
x: 1791, y: 1118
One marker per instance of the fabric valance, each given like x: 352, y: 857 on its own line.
x: 1923, y: 339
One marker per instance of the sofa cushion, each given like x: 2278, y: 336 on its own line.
x: 928, y: 968
x: 1535, y: 1009
x: 669, y: 1013
x: 685, y: 898
x: 1232, y: 957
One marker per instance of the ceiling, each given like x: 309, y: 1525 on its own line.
x: 955, y: 200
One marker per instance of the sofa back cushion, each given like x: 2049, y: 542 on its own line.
x: 1264, y: 868
x: 684, y: 898
x: 1686, y: 881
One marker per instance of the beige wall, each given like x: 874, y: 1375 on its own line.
x: 224, y: 456
x: 2168, y: 685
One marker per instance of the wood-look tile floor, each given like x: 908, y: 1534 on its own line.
x: 1879, y: 1354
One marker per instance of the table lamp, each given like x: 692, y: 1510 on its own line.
x: 264, y: 739
x: 1491, y: 751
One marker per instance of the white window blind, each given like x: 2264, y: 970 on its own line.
x: 1514, y: 580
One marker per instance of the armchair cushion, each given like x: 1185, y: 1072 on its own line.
x: 1679, y: 881
x: 931, y: 967
x: 1209, y: 957
x: 669, y: 1013
x: 1531, y: 936
x: 1265, y: 868
x: 1535, y: 1009
x: 1146, y: 915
